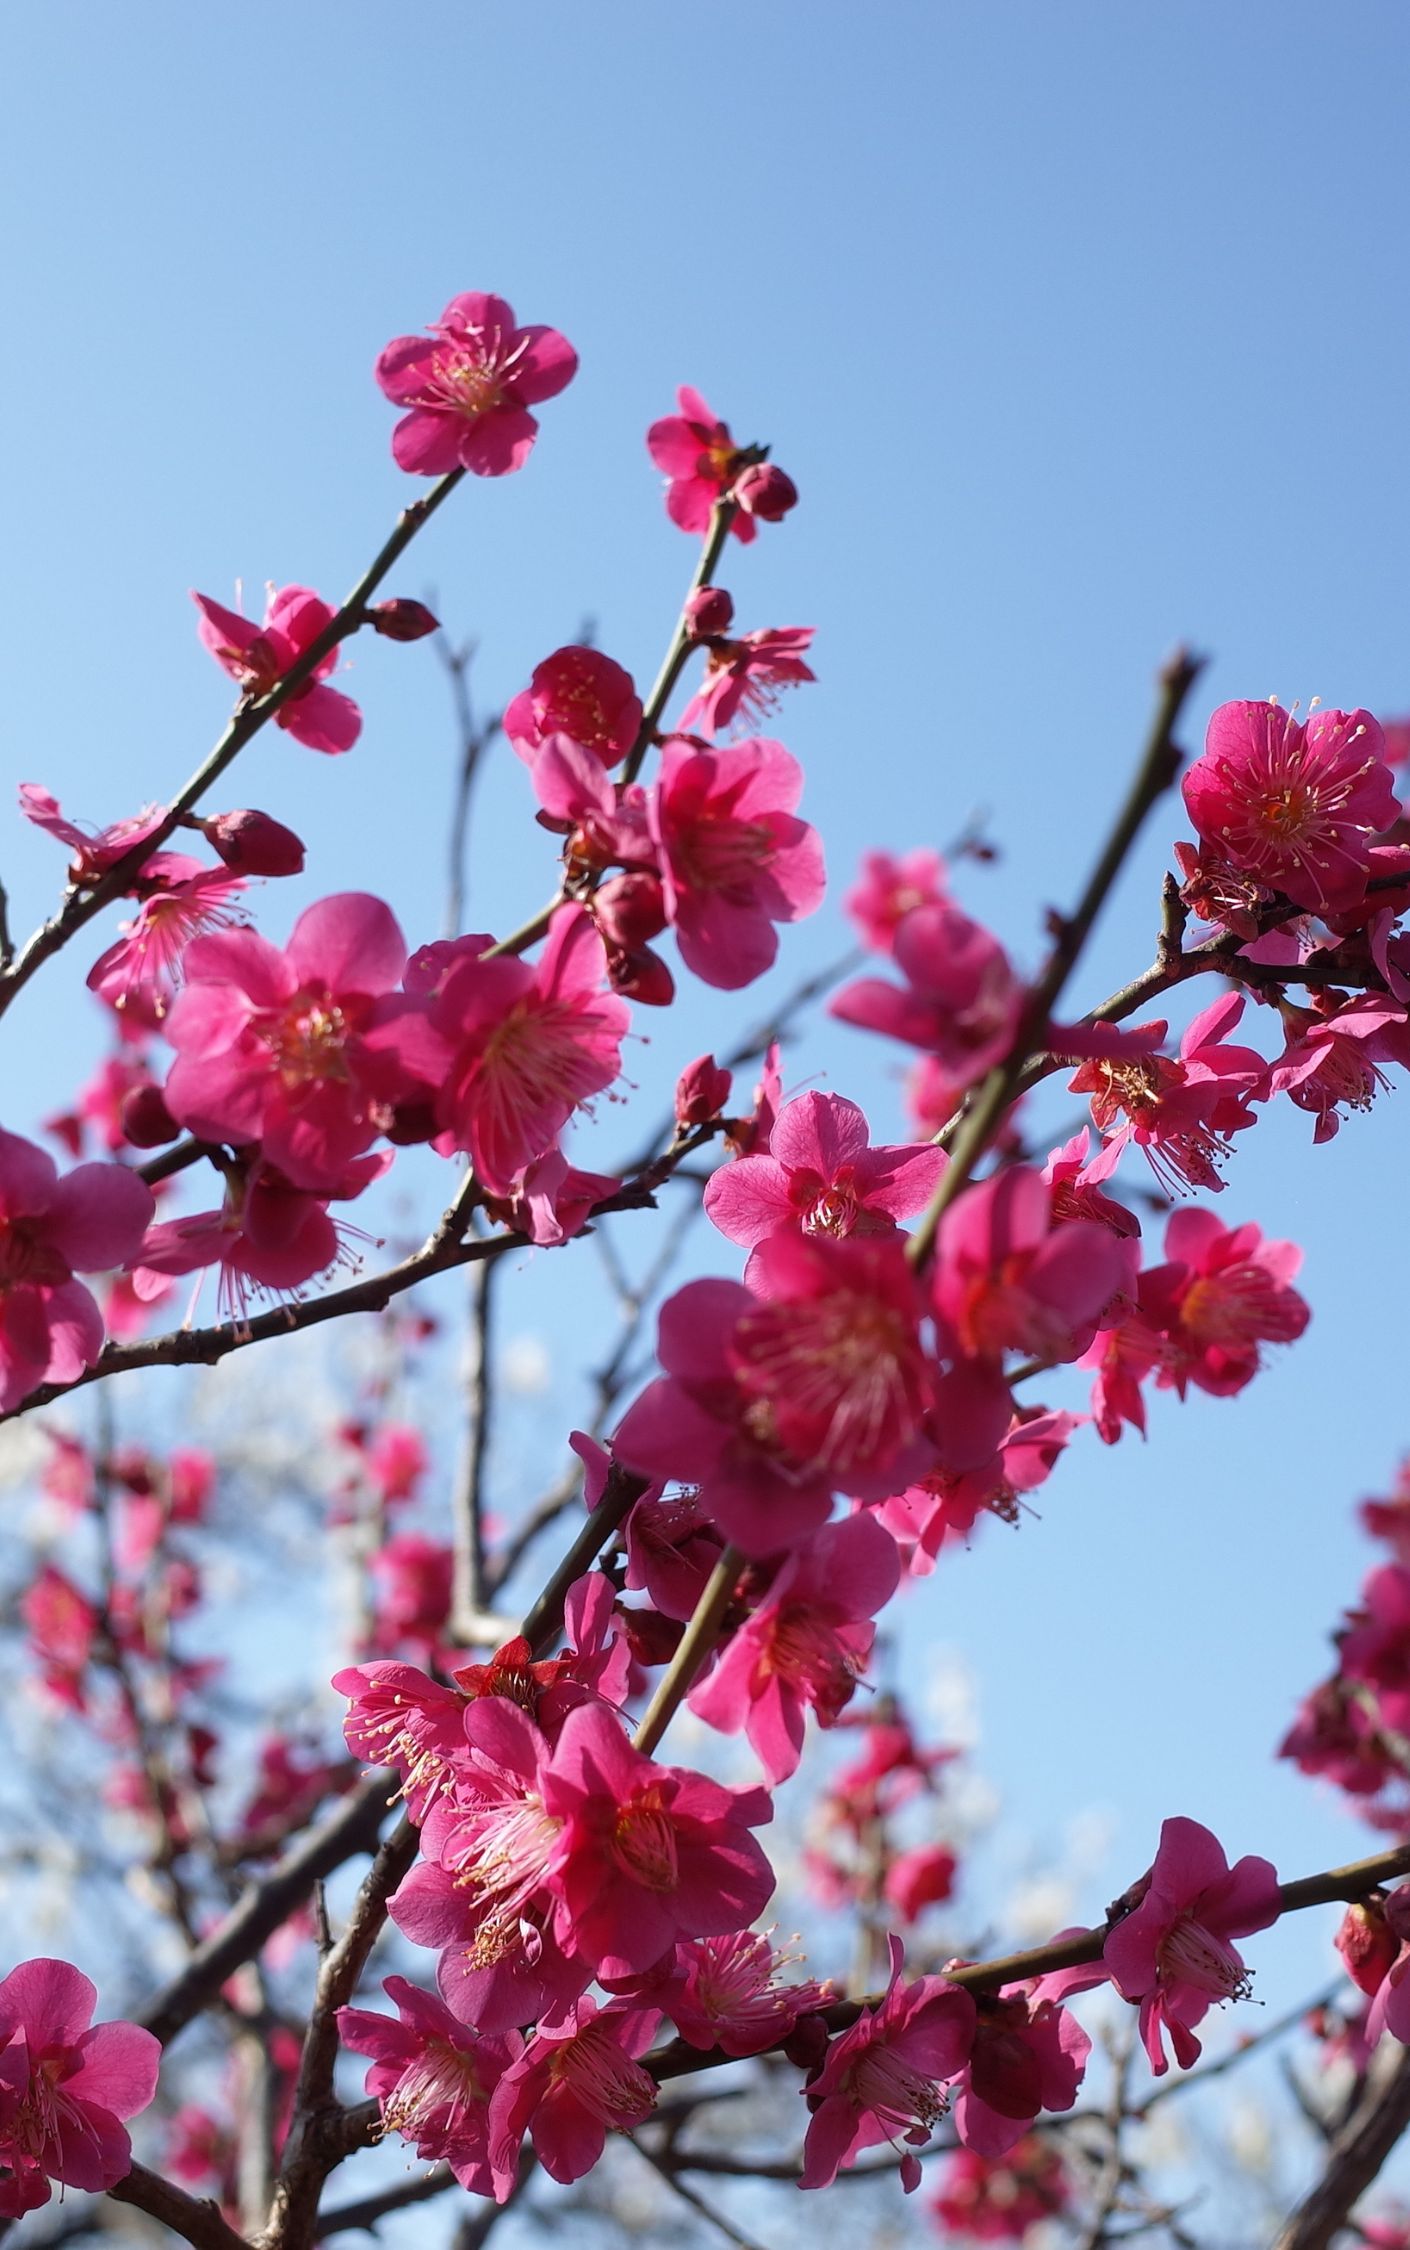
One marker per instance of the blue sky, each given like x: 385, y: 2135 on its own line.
x: 1082, y: 330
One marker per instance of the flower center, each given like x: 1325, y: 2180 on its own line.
x: 23, y: 1258
x: 308, y: 1040
x: 613, y: 2088
x: 1192, y: 1954
x: 441, y: 2079
x: 644, y: 1842
x: 896, y: 2094
x: 841, y: 1378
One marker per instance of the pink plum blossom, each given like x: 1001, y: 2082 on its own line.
x: 433, y: 2077
x: 725, y: 1992
x: 528, y: 1045
x: 646, y: 1854
x: 52, y: 1227
x: 921, y: 1877
x: 1334, y: 1059
x: 695, y: 450
x: 744, y: 679
x: 1295, y: 803
x: 479, y: 1894
x: 304, y: 1051
x: 884, y: 2077
x: 258, y: 656
x: 1222, y: 1293
x: 1008, y: 1278
x: 890, y: 886
x: 1180, y: 1111
x: 734, y: 860
x: 268, y: 1238
x: 578, y: 2080
x: 805, y: 1645
x: 66, y: 2086
x: 1172, y: 1950
x: 1029, y: 2054
x: 468, y: 387
x: 770, y: 1407
x: 180, y: 900
x: 399, y: 1716
x: 962, y: 1000
x: 946, y: 1503
x: 96, y: 851
x: 821, y: 1176
x: 983, y: 2199
x: 583, y: 694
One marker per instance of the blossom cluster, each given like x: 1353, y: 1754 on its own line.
x: 819, y: 1429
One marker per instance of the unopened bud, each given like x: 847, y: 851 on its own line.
x: 1367, y: 1944
x: 766, y: 492
x: 402, y: 620
x: 145, y: 1120
x: 251, y: 843
x: 631, y: 910
x: 709, y: 613
x: 701, y: 1092
x: 642, y: 976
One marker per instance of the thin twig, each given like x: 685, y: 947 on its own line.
x: 469, y: 1591
x: 694, y: 1646
x: 661, y: 2164
x: 1156, y: 771
x: 1356, y: 1880
x: 250, y: 715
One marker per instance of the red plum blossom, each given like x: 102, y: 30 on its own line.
x: 771, y: 1407
x: 695, y: 450
x: 577, y: 2081
x: 583, y: 694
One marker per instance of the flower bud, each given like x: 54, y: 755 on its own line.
x: 766, y: 492
x: 145, y: 1120
x: 709, y: 613
x: 251, y: 843
x: 701, y: 1092
x: 1366, y: 1944
x: 641, y: 975
x: 402, y: 620
x: 631, y: 910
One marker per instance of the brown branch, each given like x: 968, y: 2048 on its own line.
x: 1358, y: 1879
x: 250, y: 715
x: 267, y: 1905
x: 1355, y: 2158
x: 195, y: 2218
x: 441, y: 1253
